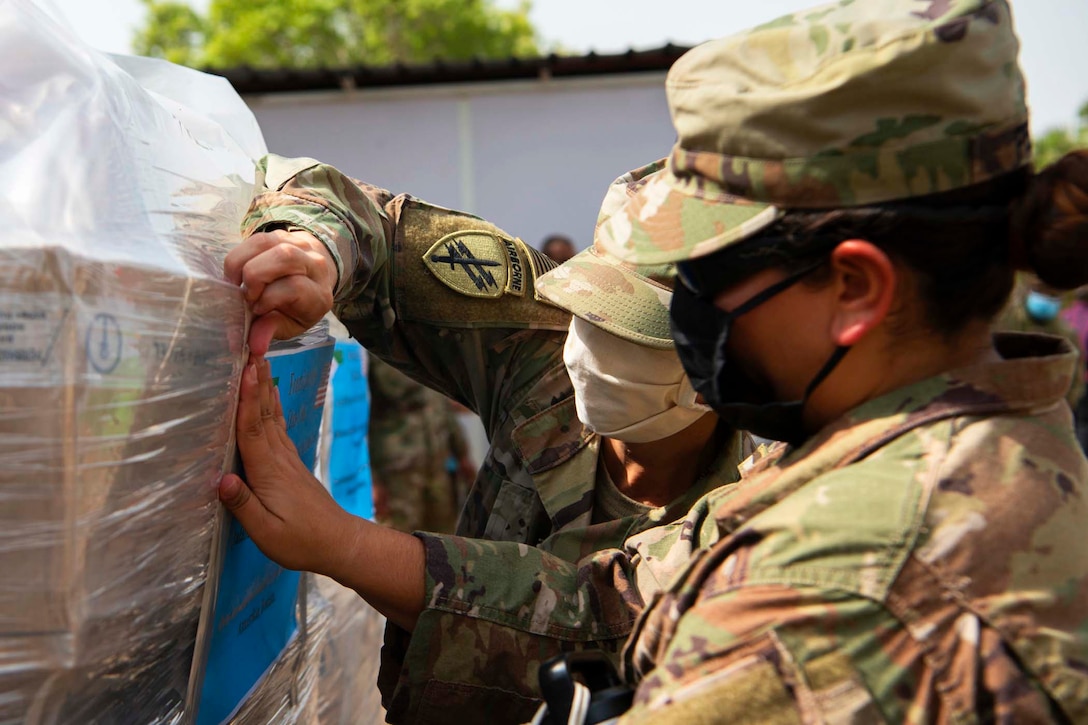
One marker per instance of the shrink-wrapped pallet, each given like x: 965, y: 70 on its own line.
x: 120, y: 347
x: 287, y: 694
x: 347, y: 687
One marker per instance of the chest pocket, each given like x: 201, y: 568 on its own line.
x: 517, y: 515
x: 758, y: 680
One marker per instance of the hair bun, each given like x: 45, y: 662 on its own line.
x: 1050, y: 223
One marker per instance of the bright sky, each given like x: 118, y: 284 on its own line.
x: 1054, y: 34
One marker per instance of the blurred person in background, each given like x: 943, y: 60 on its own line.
x: 558, y: 248
x: 417, y: 453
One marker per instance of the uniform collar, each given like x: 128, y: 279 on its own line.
x: 1034, y: 373
x: 555, y: 436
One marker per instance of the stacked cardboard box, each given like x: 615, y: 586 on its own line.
x: 115, y: 417
x: 120, y: 348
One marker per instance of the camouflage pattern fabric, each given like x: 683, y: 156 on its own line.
x: 627, y: 300
x: 513, y: 589
x: 851, y: 103
x: 1014, y: 318
x: 413, y: 433
x: 921, y: 560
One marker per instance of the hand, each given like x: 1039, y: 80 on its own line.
x: 288, y: 279
x: 284, y: 509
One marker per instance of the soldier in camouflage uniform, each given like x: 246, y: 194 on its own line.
x: 856, y: 180
x: 413, y: 436
x: 464, y: 308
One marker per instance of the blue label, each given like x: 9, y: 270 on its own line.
x: 255, y: 614
x: 349, y: 457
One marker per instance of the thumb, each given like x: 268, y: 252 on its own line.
x: 261, y: 333
x: 246, y: 507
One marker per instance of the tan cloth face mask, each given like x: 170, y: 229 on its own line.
x: 627, y: 391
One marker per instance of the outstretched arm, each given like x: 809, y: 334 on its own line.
x: 288, y: 279
x: 296, y: 522
x: 315, y: 240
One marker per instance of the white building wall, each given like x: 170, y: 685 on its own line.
x: 534, y: 157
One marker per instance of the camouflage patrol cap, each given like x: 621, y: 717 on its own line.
x: 627, y: 300
x: 853, y: 103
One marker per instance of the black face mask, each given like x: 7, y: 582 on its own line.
x: 701, y: 331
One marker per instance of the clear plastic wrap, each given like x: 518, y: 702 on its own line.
x: 348, y: 689
x: 254, y: 609
x: 120, y: 348
x: 287, y: 694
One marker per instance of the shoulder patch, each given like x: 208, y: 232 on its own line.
x: 477, y: 263
x: 457, y: 270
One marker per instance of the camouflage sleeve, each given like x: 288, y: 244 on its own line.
x: 1076, y: 388
x: 443, y: 296
x: 495, y: 611
x: 768, y: 653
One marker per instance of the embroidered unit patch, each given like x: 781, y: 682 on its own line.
x: 476, y: 264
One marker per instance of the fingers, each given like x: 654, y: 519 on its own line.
x: 263, y: 258
x: 258, y: 244
x: 273, y: 423
x: 264, y: 390
x: 246, y: 507
x: 288, y: 280
x: 279, y: 421
x: 252, y: 438
x: 236, y: 258
x: 278, y: 405
x: 298, y: 296
x: 261, y: 333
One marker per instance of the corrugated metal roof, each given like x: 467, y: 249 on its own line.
x: 254, y: 81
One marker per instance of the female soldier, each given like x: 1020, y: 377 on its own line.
x: 856, y: 191
x: 457, y: 304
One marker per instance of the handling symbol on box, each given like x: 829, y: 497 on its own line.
x: 104, y: 343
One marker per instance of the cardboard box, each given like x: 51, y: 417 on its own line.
x: 117, y: 389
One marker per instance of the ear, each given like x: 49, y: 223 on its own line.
x: 865, y: 279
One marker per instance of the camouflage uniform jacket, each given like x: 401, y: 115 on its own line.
x: 507, y: 592
x: 920, y: 560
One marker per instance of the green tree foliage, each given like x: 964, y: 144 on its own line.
x: 1057, y: 142
x: 332, y: 33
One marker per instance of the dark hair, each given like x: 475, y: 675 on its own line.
x: 556, y: 238
x: 963, y: 246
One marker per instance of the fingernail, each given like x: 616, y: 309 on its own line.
x: 251, y: 374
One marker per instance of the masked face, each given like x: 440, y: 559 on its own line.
x: 701, y: 332
x: 627, y: 391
